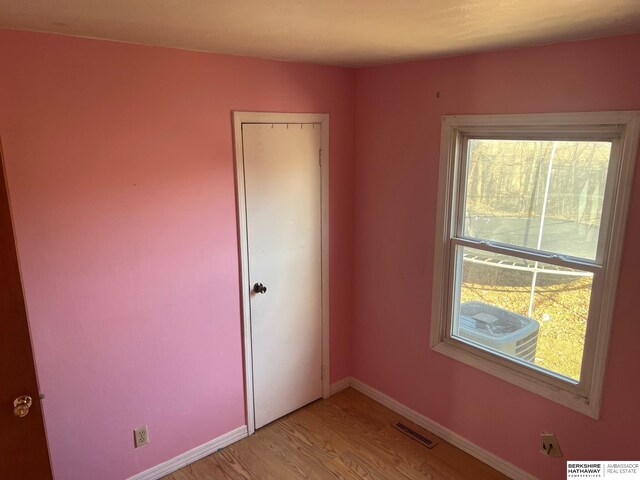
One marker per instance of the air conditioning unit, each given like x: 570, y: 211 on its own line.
x: 499, y: 329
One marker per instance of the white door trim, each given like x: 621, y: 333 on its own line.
x: 245, y: 289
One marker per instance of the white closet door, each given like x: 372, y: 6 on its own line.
x: 282, y: 191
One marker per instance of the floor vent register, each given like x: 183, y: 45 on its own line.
x: 427, y: 442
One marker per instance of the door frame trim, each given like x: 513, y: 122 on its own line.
x: 240, y: 118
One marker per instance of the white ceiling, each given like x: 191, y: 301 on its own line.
x: 340, y: 32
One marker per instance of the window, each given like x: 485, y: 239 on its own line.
x: 531, y: 214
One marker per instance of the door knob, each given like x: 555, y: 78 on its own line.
x: 21, y: 405
x: 259, y: 288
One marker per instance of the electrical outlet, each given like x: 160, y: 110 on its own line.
x: 140, y: 436
x: 549, y: 445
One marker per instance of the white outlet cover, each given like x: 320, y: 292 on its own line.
x: 140, y: 436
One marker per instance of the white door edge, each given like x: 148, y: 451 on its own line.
x: 240, y: 118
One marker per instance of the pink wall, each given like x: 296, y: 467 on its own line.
x: 120, y: 168
x: 397, y: 146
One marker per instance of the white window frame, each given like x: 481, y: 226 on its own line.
x: 620, y: 127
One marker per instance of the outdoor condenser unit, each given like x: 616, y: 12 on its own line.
x: 499, y: 329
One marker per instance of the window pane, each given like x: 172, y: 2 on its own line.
x: 546, y: 195
x: 533, y: 311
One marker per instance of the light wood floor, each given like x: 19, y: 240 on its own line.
x: 347, y: 436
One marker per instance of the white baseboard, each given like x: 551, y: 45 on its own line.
x: 450, y: 436
x: 192, y: 455
x: 340, y: 385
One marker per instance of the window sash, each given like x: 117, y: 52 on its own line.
x: 543, y: 374
x: 559, y: 260
x: 611, y: 134
x: 579, y: 387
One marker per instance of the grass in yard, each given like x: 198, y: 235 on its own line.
x: 561, y: 305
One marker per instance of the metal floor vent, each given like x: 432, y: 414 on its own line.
x: 427, y: 442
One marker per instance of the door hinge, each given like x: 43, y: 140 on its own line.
x: 320, y: 157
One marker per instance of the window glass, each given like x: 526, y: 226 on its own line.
x: 533, y: 311
x: 545, y: 195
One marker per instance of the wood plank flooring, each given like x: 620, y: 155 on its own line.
x: 348, y: 436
